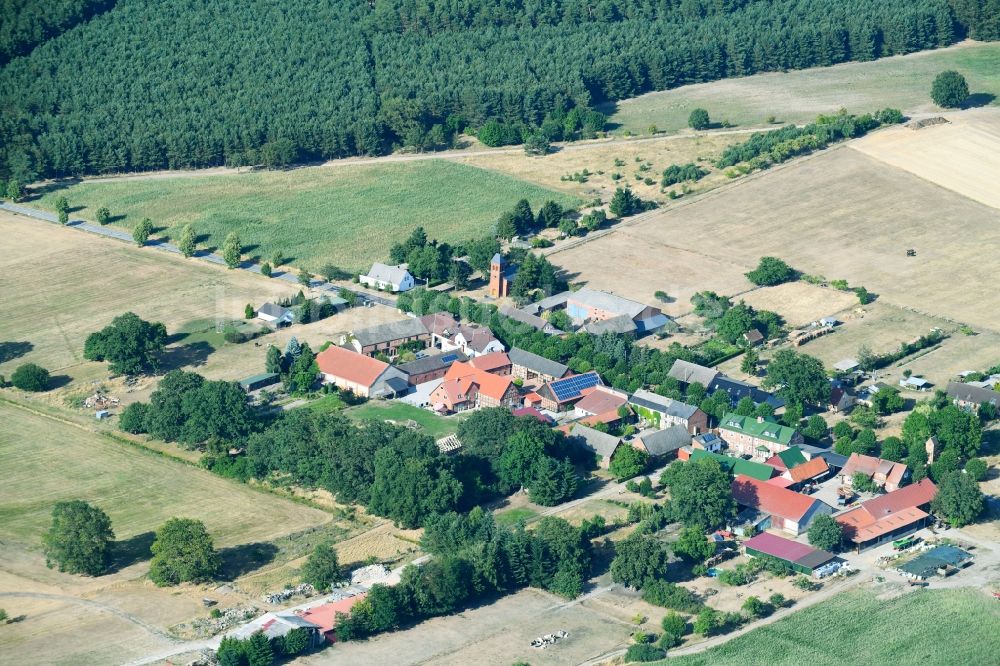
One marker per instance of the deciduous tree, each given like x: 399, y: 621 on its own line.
x: 232, y: 250
x: 826, y: 533
x: 183, y: 551
x: 80, y: 538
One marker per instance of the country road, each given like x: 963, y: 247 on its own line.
x: 212, y: 258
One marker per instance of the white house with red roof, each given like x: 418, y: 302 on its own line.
x: 785, y: 509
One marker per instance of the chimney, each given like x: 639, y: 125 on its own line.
x: 760, y: 419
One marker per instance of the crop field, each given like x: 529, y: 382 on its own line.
x: 902, y: 82
x: 840, y: 214
x: 929, y: 627
x: 962, y: 155
x: 316, y: 215
x: 64, y: 284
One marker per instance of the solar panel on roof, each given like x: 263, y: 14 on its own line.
x: 448, y: 358
x: 571, y: 386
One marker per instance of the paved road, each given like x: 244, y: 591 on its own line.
x: 210, y: 257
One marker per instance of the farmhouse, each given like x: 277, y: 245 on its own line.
x: 600, y: 443
x: 663, y: 442
x: 447, y: 334
x: 534, y: 369
x: 388, y: 338
x: 275, y: 315
x: 661, y: 412
x: 757, y: 437
x: 798, y: 556
x: 278, y: 625
x: 589, y: 305
x: 708, y: 441
x: 561, y: 394
x: 890, y: 516
x: 840, y: 399
x: 691, y: 373
x: 390, y: 278
x: 324, y: 615
x: 534, y: 321
x: 466, y: 387
x: 430, y: 367
x: 362, y: 375
x: 599, y: 401
x: 787, y: 459
x: 970, y: 397
x: 501, y: 276
x: 783, y: 509
x: 732, y: 464
x: 883, y: 473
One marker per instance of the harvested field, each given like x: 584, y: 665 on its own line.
x: 962, y: 156
x: 800, y: 303
x: 496, y: 633
x: 852, y: 628
x: 384, y: 543
x: 65, y: 284
x: 315, y: 215
x: 902, y: 82
x: 47, y: 461
x: 857, y: 227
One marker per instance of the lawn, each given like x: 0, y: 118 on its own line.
x: 349, y: 214
x: 927, y: 627
x: 400, y: 412
x: 46, y: 461
x: 514, y: 516
x: 328, y: 403
x: 903, y: 82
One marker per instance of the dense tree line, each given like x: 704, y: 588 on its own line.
x: 28, y: 23
x: 135, y: 88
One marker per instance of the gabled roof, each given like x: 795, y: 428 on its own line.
x: 600, y: 401
x: 687, y: 372
x: 325, y: 615
x: 663, y: 405
x: 972, y: 394
x: 440, y: 323
x: 845, y: 365
x: 490, y: 385
x: 349, y: 365
x: 771, y: 499
x: 477, y: 337
x: 532, y: 412
x: 889, y: 512
x: 569, y: 388
x: 788, y: 550
x: 548, y: 303
x: 431, y: 363
x: 619, y: 324
x: 736, y: 465
x: 869, y: 466
x: 792, y: 457
x: 662, y: 442
x: 808, y: 470
x: 273, y: 310
x: 915, y: 495
x: 765, y: 429
x: 537, y: 363
x: 490, y: 362
x: 390, y: 274
x: 523, y: 317
x: 601, y: 300
x: 599, y: 442
x: 737, y: 390
x: 396, y: 330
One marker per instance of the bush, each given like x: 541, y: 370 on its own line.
x: 976, y: 468
x: 699, y: 119
x: 771, y: 271
x: 644, y: 652
x: 668, y: 595
x: 133, y: 418
x: 949, y: 89
x: 30, y: 377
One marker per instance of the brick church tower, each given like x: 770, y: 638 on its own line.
x: 500, y: 277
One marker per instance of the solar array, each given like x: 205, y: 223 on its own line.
x: 565, y: 389
x: 449, y: 358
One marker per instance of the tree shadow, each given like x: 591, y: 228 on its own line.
x: 117, y: 218
x: 11, y: 350
x: 38, y: 192
x: 75, y: 209
x: 58, y: 381
x: 242, y: 559
x: 126, y: 552
x: 194, y: 354
x: 978, y: 99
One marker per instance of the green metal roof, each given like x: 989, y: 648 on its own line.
x: 765, y: 429
x: 792, y: 457
x: 258, y: 378
x: 736, y: 465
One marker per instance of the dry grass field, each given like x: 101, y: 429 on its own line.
x: 64, y: 284
x: 962, y: 156
x: 840, y: 214
x: 800, y: 303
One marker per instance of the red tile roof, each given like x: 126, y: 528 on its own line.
x: 869, y: 466
x: 771, y: 499
x: 325, y: 615
x: 490, y: 362
x: 772, y: 544
x: 889, y: 512
x: 780, y: 481
x: 915, y: 495
x: 808, y: 470
x: 492, y: 386
x: 350, y: 365
x: 599, y: 401
x: 531, y: 411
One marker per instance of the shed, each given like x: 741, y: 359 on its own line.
x: 798, y: 556
x: 257, y: 382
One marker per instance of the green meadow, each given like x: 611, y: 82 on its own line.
x: 349, y: 215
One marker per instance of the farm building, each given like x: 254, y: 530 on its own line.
x: 688, y: 373
x: 734, y: 465
x: 589, y: 305
x: 784, y: 509
x: 324, y: 615
x: 793, y: 465
x: 915, y: 384
x: 888, y: 517
x: 840, y: 399
x: 277, y: 625
x: 388, y: 338
x: 257, y: 382
x: 362, y: 375
x: 560, y: 395
x: 600, y: 402
x: 275, y: 315
x: 534, y: 321
x: 661, y: 412
x: 600, y: 443
x: 496, y: 363
x: 968, y: 396
x: 389, y: 278
x: 430, y: 367
x: 447, y: 334
x: 939, y: 560
x: 798, y: 556
x: 663, y: 443
x: 757, y: 437
x: 883, y: 473
x: 691, y: 373
x: 466, y: 387
x: 534, y: 369
x: 753, y: 337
